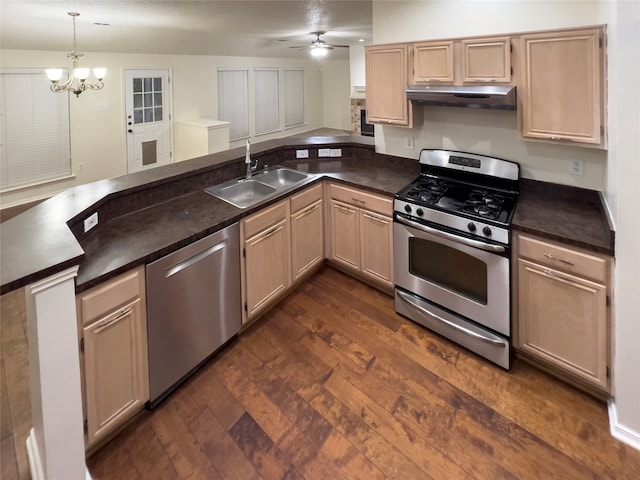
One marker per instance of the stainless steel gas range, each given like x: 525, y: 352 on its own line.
x: 452, y: 239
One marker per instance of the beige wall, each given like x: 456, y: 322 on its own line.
x: 615, y: 172
x: 336, y: 92
x: 98, y: 142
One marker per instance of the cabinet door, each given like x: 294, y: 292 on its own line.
x: 267, y: 266
x: 345, y: 234
x: 387, y: 71
x: 562, y: 319
x: 486, y: 60
x: 307, y: 233
x: 115, y: 369
x: 376, y: 237
x: 562, y: 87
x: 433, y: 62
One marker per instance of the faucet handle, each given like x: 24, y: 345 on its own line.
x: 254, y: 167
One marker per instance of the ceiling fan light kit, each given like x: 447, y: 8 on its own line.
x: 77, y: 81
x: 319, y: 48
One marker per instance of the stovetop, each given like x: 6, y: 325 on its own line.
x: 471, y: 201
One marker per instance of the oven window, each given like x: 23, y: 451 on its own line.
x: 448, y: 268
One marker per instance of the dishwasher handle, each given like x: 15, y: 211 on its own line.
x: 195, y: 259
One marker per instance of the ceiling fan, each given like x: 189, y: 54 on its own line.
x: 319, y: 48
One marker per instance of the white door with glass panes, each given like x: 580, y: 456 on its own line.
x: 148, y: 119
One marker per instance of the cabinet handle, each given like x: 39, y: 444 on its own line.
x: 377, y: 219
x: 566, y: 139
x: 358, y: 201
x: 551, y: 257
x: 271, y: 232
x: 345, y: 209
x: 102, y: 324
x: 310, y: 209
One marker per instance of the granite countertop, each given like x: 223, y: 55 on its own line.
x: 571, y: 215
x: 147, y: 215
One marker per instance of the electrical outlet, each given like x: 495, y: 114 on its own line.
x: 335, y: 152
x: 90, y: 222
x: 324, y: 152
x: 408, y: 143
x: 576, y: 167
x: 302, y: 153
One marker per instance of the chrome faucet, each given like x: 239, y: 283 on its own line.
x: 247, y: 160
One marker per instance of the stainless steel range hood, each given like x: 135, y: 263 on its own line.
x: 468, y: 96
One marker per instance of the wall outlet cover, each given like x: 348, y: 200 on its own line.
x: 324, y: 152
x: 408, y: 143
x: 335, y: 152
x: 90, y: 222
x: 576, y: 167
x: 302, y: 153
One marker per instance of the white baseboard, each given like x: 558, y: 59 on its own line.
x: 620, y: 432
x: 35, y: 462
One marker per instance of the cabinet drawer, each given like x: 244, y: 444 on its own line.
x: 561, y: 258
x: 361, y: 199
x: 106, y: 298
x: 305, y: 198
x: 265, y: 219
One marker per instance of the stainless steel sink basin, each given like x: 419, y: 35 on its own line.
x: 244, y: 193
x: 281, y: 177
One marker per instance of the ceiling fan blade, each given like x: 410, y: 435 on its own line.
x: 300, y: 47
x: 338, y: 46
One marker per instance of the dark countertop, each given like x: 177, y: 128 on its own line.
x: 571, y: 215
x: 146, y: 215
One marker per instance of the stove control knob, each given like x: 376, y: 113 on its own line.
x: 471, y: 226
x: 486, y: 231
x: 407, y: 208
x: 419, y: 212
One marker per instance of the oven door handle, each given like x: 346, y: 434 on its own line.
x: 450, y: 236
x: 407, y: 298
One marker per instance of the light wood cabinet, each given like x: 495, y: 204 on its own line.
x: 562, y: 87
x: 361, y: 233
x: 114, y: 353
x: 432, y: 62
x: 387, y: 82
x: 563, y: 318
x: 307, y: 231
x: 266, y: 258
x: 486, y: 60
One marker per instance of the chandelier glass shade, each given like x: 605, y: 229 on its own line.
x: 78, y: 77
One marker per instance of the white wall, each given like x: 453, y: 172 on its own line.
x: 336, y: 92
x: 98, y: 141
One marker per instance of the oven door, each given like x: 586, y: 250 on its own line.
x: 468, y: 277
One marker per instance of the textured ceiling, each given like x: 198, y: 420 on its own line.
x: 237, y: 28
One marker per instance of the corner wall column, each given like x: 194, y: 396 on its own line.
x: 56, y: 442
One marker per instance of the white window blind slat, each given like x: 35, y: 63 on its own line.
x: 35, y: 130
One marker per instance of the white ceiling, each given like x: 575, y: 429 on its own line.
x: 238, y: 28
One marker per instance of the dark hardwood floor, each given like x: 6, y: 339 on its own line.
x: 333, y: 384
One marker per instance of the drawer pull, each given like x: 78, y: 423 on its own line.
x: 345, y: 209
x: 102, y: 324
x: 272, y: 231
x: 551, y: 257
x: 310, y: 209
x: 381, y: 221
x: 358, y: 201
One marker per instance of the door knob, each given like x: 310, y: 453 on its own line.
x: 130, y: 131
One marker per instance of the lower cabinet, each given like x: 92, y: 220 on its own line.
x: 307, y: 232
x: 267, y: 261
x: 563, y: 317
x: 114, y: 353
x: 361, y: 233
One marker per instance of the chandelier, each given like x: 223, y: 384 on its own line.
x: 77, y: 81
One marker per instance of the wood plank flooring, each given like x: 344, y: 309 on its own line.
x: 333, y: 384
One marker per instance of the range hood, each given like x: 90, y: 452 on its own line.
x: 468, y: 96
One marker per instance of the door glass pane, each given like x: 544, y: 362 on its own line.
x: 448, y: 268
x: 148, y: 104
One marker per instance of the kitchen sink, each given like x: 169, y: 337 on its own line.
x: 244, y: 193
x: 281, y: 177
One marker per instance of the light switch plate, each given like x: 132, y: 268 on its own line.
x: 324, y: 152
x: 335, y: 152
x: 302, y: 153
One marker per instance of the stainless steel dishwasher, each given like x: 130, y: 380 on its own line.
x: 193, y: 308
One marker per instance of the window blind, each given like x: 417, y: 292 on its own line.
x: 293, y: 98
x: 34, y: 130
x: 233, y: 101
x: 266, y: 100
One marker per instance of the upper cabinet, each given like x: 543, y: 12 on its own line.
x: 486, y: 60
x: 432, y: 62
x: 387, y: 81
x: 562, y: 87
